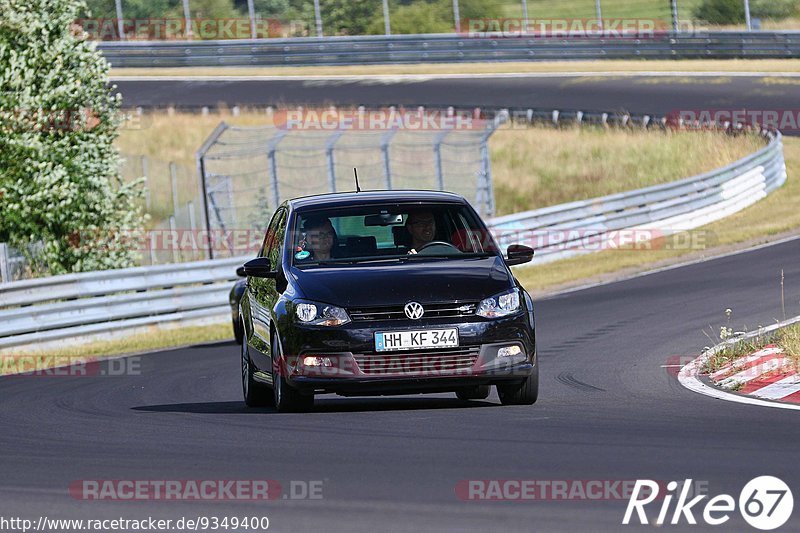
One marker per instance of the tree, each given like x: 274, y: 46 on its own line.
x: 59, y: 169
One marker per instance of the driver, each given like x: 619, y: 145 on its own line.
x: 421, y: 225
x: 320, y: 240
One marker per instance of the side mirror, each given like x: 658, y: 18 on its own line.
x: 240, y: 272
x: 259, y: 267
x: 519, y: 254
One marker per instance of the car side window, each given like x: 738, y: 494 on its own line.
x: 275, y: 249
x: 269, y: 238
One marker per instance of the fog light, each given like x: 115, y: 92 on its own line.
x: 317, y: 361
x: 509, y: 351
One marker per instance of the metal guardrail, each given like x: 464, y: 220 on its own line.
x: 72, y: 305
x: 663, y: 209
x: 446, y: 48
x: 75, y: 305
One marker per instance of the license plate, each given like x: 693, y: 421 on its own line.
x: 423, y: 339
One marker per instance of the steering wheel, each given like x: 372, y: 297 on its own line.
x: 438, y: 243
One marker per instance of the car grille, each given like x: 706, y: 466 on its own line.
x: 396, y: 312
x: 445, y: 361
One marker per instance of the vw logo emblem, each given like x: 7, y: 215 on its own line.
x: 414, y: 310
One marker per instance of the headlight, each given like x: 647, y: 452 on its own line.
x: 321, y: 314
x: 503, y: 304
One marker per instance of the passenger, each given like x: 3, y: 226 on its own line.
x: 320, y: 240
x: 421, y: 225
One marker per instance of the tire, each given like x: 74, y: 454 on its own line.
x: 238, y: 334
x: 255, y: 394
x: 525, y: 392
x: 480, y: 392
x: 286, y: 398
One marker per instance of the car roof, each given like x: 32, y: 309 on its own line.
x: 351, y: 199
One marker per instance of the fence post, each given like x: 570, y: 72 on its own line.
x: 525, y: 16
x: 456, y: 16
x: 747, y: 20
x: 437, y: 153
x: 143, y: 161
x: 120, y: 21
x: 386, y: 139
x: 187, y: 17
x: 201, y: 171
x: 387, y: 25
x: 173, y: 175
x: 251, y: 10
x: 5, y: 277
x: 273, y: 166
x: 599, y: 14
x: 674, y: 5
x: 173, y: 231
x: 331, y: 163
x: 192, y: 224
x: 318, y: 18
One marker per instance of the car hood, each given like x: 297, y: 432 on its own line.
x: 374, y: 284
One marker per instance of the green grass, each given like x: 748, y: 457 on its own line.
x: 787, y: 338
x: 543, y: 166
x: 775, y: 216
x: 532, y: 167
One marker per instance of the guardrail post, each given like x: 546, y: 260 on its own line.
x: 5, y: 277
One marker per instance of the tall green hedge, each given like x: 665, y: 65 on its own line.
x: 59, y: 170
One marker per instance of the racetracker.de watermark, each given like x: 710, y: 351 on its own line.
x: 544, y: 241
x: 389, y: 119
x: 555, y: 489
x: 195, y: 489
x: 578, y: 28
x: 784, y: 120
x: 43, y: 365
x: 173, y: 29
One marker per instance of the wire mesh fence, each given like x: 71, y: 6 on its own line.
x: 247, y: 172
x: 243, y: 19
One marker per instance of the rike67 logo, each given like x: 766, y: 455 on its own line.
x: 765, y: 503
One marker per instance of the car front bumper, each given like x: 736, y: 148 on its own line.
x: 344, y: 360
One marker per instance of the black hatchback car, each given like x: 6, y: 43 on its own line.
x: 377, y: 293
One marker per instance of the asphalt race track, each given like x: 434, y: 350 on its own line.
x: 607, y: 411
x: 635, y: 94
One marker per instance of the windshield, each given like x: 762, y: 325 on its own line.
x: 389, y: 232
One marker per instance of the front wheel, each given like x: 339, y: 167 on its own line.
x: 287, y: 398
x: 525, y: 392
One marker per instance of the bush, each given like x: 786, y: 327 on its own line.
x: 721, y: 11
x: 59, y: 177
x: 774, y: 9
